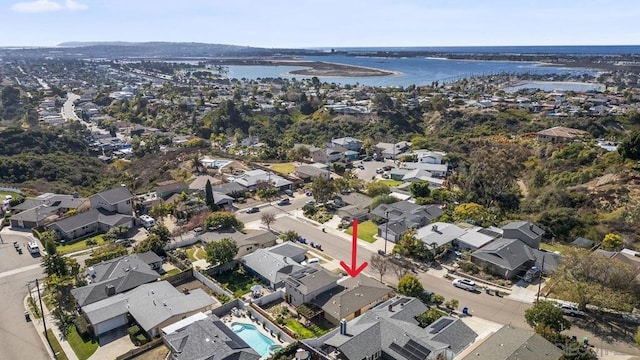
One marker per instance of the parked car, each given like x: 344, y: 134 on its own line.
x: 382, y: 253
x: 198, y: 230
x: 361, y: 167
x: 465, y: 284
x: 367, y: 158
x: 385, y: 176
x: 289, y: 192
x: 284, y: 201
x: 308, y: 193
x: 379, y: 171
x: 310, y: 202
x: 252, y: 210
x: 387, y: 167
x: 570, y: 309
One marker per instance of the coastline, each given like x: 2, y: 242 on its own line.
x: 338, y: 70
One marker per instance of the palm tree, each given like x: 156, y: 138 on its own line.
x: 196, y: 162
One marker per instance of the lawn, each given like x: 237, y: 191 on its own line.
x: 286, y: 168
x: 196, y: 253
x: 55, y: 345
x: 80, y: 245
x: 557, y: 246
x: 390, y: 183
x: 83, y: 349
x: 366, y: 231
x: 305, y: 332
x: 170, y: 273
x: 237, y: 282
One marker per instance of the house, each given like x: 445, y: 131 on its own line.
x: 353, y: 206
x: 205, y: 337
x: 403, y: 215
x: 116, y: 276
x: 153, y: 306
x: 251, y: 179
x: 89, y: 222
x: 44, y: 209
x: 504, y: 257
x: 559, y: 134
x: 428, y: 156
x: 116, y: 200
x: 512, y: 343
x: 392, y: 151
x: 271, y: 267
x: 291, y: 250
x: 247, y: 243
x: 477, y: 237
x: 348, y: 143
x: 583, y: 243
x: 417, y: 175
x: 525, y: 231
x: 200, y: 183
x: 391, y: 331
x: 329, y: 154
x: 230, y: 189
x: 311, y: 172
x: 438, y: 234
x: 436, y: 170
x: 167, y: 188
x: 351, y: 298
x: 307, y: 283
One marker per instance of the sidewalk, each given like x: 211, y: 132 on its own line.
x: 51, y: 324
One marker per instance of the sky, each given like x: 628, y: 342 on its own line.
x: 325, y: 23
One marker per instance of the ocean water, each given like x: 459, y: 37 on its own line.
x: 561, y: 49
x: 412, y: 70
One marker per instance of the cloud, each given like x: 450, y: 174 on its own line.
x: 39, y: 6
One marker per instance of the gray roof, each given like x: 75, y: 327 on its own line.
x: 526, y: 228
x: 149, y: 304
x: 288, y: 249
x: 381, y: 327
x: 439, y: 233
x: 208, y: 339
x: 228, y: 188
x: 52, y: 201
x: 123, y: 273
x: 37, y: 213
x: 582, y: 242
x: 407, y: 210
x: 149, y: 257
x: 479, y: 237
x: 309, y: 170
x: 551, y: 260
x: 270, y: 266
x: 507, y: 253
x: 509, y: 343
x: 311, y: 278
x: 358, y: 199
x: 200, y: 183
x: 259, y: 237
x: 91, y: 216
x: 115, y: 195
x: 351, y: 295
x: 219, y: 198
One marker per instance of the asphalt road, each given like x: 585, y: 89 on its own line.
x: 18, y: 339
x: 297, y: 202
x: 68, y: 112
x: 370, y: 167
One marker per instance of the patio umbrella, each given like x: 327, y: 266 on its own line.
x: 256, y: 288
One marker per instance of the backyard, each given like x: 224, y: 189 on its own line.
x: 557, y: 246
x: 390, y: 183
x: 284, y: 316
x: 195, y: 253
x: 83, y: 348
x: 239, y: 283
x: 81, y: 245
x: 366, y: 231
x: 285, y: 168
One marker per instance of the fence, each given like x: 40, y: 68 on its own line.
x: 268, y: 323
x: 10, y: 189
x: 142, y: 349
x: 180, y: 278
x: 276, y: 295
x: 179, y: 242
x: 211, y: 284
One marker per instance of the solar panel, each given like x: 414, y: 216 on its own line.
x: 439, y: 325
x: 411, y: 350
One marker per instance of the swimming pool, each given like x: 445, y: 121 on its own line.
x: 253, y: 337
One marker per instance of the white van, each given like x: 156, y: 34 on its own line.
x: 310, y: 261
x: 33, y: 247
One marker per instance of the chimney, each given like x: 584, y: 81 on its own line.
x: 110, y: 290
x: 390, y: 307
x: 343, y: 327
x: 434, y: 228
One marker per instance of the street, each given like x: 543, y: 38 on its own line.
x: 68, y: 113
x: 18, y: 339
x: 297, y: 202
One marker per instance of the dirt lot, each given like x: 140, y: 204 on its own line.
x: 157, y: 353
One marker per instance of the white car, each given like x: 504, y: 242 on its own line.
x: 570, y: 309
x: 464, y: 284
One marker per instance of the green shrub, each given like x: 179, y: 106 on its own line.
x: 469, y: 267
x: 141, y: 339
x: 84, y: 330
x: 133, y: 330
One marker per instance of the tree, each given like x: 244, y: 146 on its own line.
x: 471, y: 211
x: 268, y: 218
x: 410, y: 246
x: 153, y: 243
x: 208, y: 191
x: 383, y: 199
x: 223, y: 220
x: 410, y: 285
x: 451, y: 304
x: 630, y: 147
x: 322, y: 189
x: 196, y: 162
x: 399, y: 270
x: 546, y: 313
x: 420, y: 189
x: 290, y: 235
x: 380, y: 264
x: 429, y: 317
x: 221, y: 252
x: 636, y: 337
x: 612, y: 242
x: 161, y: 231
x: 376, y: 188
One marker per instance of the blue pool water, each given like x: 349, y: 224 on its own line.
x: 253, y: 337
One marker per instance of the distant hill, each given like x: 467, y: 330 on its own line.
x: 119, y: 49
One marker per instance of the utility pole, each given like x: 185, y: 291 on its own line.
x: 386, y: 231
x: 44, y: 322
x: 540, y: 281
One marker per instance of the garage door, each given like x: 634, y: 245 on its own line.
x: 111, y: 324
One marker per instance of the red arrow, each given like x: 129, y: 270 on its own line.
x: 354, y: 270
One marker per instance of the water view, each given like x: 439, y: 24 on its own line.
x: 412, y: 70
